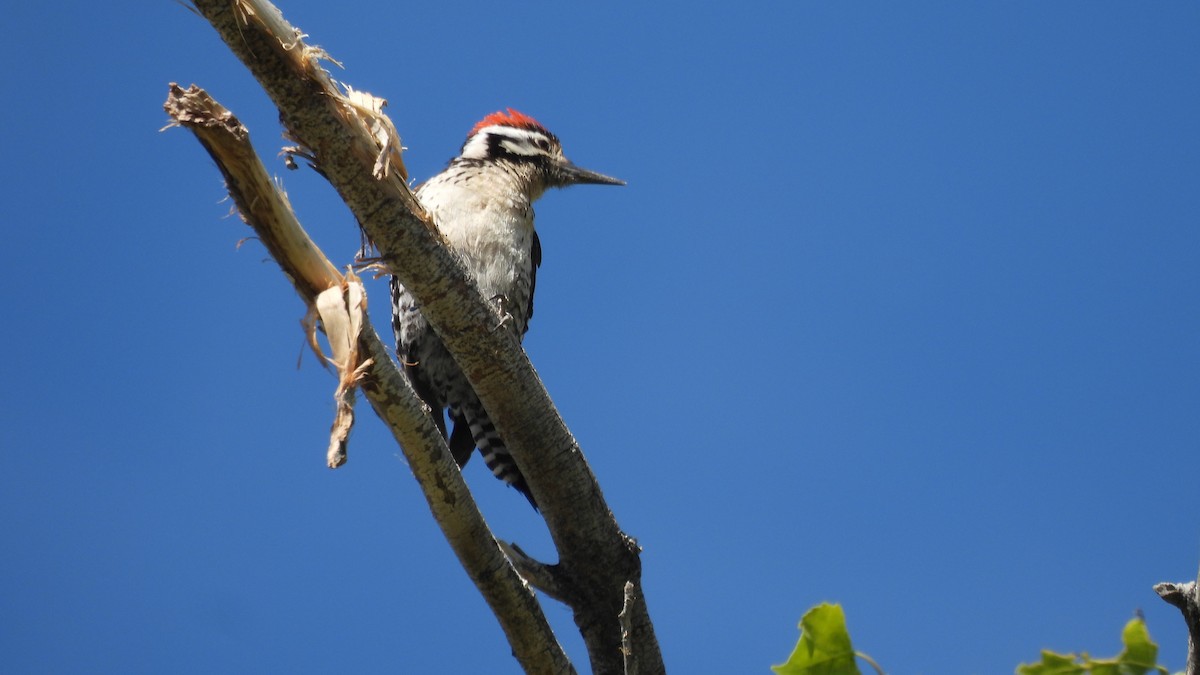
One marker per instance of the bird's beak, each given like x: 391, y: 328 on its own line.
x: 569, y: 174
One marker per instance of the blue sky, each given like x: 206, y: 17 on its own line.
x: 898, y: 310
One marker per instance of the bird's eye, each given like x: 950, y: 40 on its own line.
x: 543, y: 144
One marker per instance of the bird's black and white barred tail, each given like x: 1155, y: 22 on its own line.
x: 485, y: 437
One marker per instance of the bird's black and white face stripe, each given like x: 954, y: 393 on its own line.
x: 522, y: 147
x: 512, y: 143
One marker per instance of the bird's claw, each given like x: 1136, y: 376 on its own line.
x: 505, y: 315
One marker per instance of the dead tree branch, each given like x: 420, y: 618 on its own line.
x: 351, y: 147
x: 1186, y: 597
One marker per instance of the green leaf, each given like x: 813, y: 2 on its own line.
x: 1139, y: 657
x: 824, y: 647
x: 1141, y: 653
x: 1052, y: 664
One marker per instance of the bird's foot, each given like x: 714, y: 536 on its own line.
x: 505, y: 315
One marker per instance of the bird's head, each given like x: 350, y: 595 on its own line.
x: 521, y: 142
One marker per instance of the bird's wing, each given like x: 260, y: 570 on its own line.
x: 408, y: 349
x: 535, y: 255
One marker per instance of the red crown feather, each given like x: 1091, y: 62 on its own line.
x: 512, y: 118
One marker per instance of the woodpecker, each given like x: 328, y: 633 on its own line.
x: 483, y: 205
